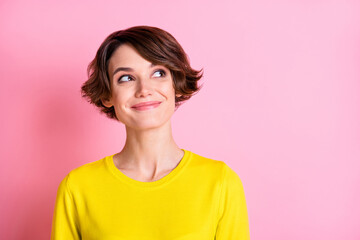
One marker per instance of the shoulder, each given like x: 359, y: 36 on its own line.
x: 85, y: 173
x: 219, y: 167
x: 213, y: 166
x: 207, y: 163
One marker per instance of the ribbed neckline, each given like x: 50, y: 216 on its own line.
x: 109, y: 160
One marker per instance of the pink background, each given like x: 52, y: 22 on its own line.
x: 280, y: 105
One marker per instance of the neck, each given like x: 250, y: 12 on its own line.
x: 151, y: 149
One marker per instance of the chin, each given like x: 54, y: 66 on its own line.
x: 144, y: 127
x: 146, y: 124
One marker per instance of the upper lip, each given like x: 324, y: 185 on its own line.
x: 145, y: 104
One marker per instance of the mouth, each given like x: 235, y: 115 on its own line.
x: 146, y: 105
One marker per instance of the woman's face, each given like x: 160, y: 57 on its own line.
x: 135, y: 80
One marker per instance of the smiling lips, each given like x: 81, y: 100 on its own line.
x: 146, y: 105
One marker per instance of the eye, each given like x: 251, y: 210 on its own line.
x: 159, y: 73
x: 125, y: 78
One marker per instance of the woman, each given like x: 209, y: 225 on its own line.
x: 151, y: 189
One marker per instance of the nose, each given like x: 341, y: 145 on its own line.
x: 143, y: 88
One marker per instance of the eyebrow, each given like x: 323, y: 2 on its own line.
x: 128, y: 69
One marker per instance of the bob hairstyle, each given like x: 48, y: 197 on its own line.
x: 153, y: 44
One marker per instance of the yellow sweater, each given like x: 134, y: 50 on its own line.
x: 201, y: 199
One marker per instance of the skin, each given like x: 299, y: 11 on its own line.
x: 150, y: 151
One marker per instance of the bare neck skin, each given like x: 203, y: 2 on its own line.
x: 149, y: 154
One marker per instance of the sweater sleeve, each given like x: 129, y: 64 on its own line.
x: 65, y: 223
x: 233, y: 217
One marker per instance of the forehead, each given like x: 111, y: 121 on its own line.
x: 126, y: 56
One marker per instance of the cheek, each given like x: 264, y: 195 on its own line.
x: 120, y: 109
x: 169, y: 90
x: 119, y: 101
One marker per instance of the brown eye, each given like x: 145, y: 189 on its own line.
x: 159, y: 73
x: 125, y: 78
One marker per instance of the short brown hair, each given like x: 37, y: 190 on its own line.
x: 156, y: 46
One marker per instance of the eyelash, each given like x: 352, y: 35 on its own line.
x: 159, y: 70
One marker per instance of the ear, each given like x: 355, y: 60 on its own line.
x: 107, y: 103
x: 178, y: 95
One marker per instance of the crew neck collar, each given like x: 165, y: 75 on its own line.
x: 166, y: 179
